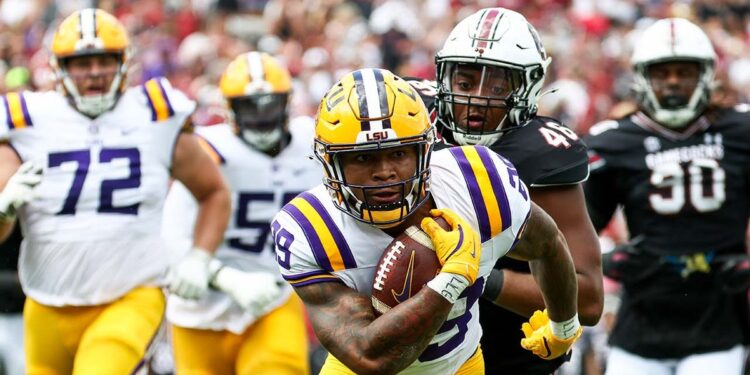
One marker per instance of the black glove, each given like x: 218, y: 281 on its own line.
x: 626, y: 263
x: 732, y: 272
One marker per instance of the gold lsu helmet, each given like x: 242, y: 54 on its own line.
x: 90, y: 32
x: 371, y: 110
x: 257, y: 88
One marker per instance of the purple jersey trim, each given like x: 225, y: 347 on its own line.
x: 338, y: 237
x: 497, y: 185
x: 25, y: 110
x: 8, y: 117
x: 150, y: 103
x: 222, y: 160
x: 308, y: 278
x: 312, y: 237
x: 474, y: 192
x: 166, y: 98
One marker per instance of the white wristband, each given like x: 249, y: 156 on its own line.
x: 565, y: 330
x: 448, y: 285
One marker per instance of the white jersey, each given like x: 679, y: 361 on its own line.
x: 316, y: 242
x: 92, y: 233
x: 260, y: 186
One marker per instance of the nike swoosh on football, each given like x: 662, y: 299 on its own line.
x: 406, y: 290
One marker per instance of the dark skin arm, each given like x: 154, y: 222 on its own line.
x: 566, y: 205
x: 9, y: 163
x: 201, y: 176
x: 544, y: 247
x: 346, y: 325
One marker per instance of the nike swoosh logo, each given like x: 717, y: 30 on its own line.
x: 127, y: 131
x: 460, y: 242
x: 406, y: 290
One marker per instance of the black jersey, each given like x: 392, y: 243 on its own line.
x: 11, y: 295
x: 686, y: 195
x: 545, y: 153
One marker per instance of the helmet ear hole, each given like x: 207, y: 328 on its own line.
x: 537, y: 74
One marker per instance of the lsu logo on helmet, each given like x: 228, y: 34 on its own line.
x: 373, y: 109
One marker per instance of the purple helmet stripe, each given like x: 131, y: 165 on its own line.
x: 359, y: 83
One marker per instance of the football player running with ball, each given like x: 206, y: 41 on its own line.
x: 86, y: 170
x: 374, y: 139
x: 257, y: 324
x: 489, y: 75
x: 680, y: 167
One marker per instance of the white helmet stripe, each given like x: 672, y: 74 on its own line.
x: 255, y: 67
x: 372, y: 97
x: 672, y: 36
x: 88, y: 26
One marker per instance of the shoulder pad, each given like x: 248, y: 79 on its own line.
x: 614, y: 135
x: 426, y: 89
x: 327, y: 242
x: 211, y: 150
x: 16, y: 111
x: 164, y: 100
x: 545, y: 153
x: 479, y: 168
x: 603, y: 126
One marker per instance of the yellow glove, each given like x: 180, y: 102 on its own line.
x: 458, y: 250
x: 540, y: 340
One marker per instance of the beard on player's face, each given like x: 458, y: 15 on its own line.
x: 380, y: 177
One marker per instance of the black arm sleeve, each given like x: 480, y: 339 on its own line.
x: 601, y: 200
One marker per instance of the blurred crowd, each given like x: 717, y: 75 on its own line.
x: 191, y: 41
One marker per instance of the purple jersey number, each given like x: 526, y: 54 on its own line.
x: 283, y: 239
x: 461, y: 322
x: 242, y: 221
x: 82, y: 158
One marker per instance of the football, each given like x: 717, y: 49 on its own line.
x: 406, y: 265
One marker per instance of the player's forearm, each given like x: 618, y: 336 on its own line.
x: 213, y: 216
x: 590, y: 296
x: 522, y: 295
x: 402, y: 334
x: 391, y: 342
x: 556, y: 277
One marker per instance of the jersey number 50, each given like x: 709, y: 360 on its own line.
x: 256, y: 230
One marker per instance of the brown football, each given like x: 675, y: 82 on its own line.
x: 406, y: 265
